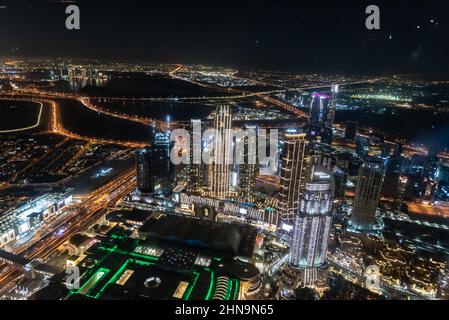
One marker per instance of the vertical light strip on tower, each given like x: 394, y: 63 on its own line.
x: 292, y: 176
x: 220, y: 170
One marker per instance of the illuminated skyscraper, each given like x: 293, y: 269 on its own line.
x: 313, y: 221
x: 322, y: 115
x: 247, y: 170
x: 196, y: 167
x: 319, y: 109
x: 143, y: 168
x: 220, y: 171
x: 293, y: 171
x: 332, y: 107
x: 155, y: 172
x: 391, y: 182
x: 369, y: 186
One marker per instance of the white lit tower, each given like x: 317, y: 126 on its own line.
x: 195, y: 167
x: 220, y: 171
x: 292, y: 178
x: 313, y: 220
x: 247, y: 170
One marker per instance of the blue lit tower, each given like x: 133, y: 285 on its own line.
x: 322, y: 115
x: 319, y: 108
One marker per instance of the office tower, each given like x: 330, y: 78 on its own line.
x: 164, y: 170
x: 196, y: 167
x: 332, y: 106
x: 390, y: 187
x: 220, y: 171
x: 292, y: 178
x: 415, y: 178
x: 313, y: 221
x: 431, y: 175
x: 322, y: 115
x: 362, y: 148
x: 144, y: 167
x: 155, y: 172
x: 351, y: 130
x: 247, y: 170
x: 318, y: 113
x: 341, y: 180
x: 398, y: 149
x: 367, y: 196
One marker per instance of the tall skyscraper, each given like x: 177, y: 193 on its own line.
x: 332, y: 107
x: 351, y: 130
x: 319, y: 109
x: 392, y: 173
x: 196, y: 167
x: 144, y: 167
x: 367, y: 196
x: 322, y: 115
x: 155, y: 172
x: 247, y: 170
x: 292, y: 178
x: 220, y: 171
x: 313, y: 221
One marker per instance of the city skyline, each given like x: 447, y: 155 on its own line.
x: 259, y: 152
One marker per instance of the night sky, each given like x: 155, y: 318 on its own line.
x: 311, y: 36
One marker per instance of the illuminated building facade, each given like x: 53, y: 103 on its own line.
x: 220, y: 170
x: 313, y: 221
x: 322, y: 115
x: 292, y: 178
x: 393, y: 172
x: 330, y: 116
x: 155, y: 172
x: 247, y: 170
x: 369, y: 186
x: 31, y: 215
x: 196, y: 168
x: 143, y: 167
x: 319, y: 108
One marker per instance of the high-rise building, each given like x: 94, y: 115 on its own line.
x: 398, y: 149
x: 330, y: 117
x: 351, y: 130
x: 155, y: 172
x: 293, y: 176
x: 415, y: 178
x: 367, y: 196
x: 319, y: 109
x: 313, y: 221
x: 219, y: 174
x: 248, y: 170
x: 392, y: 173
x: 322, y: 115
x: 196, y: 167
x: 144, y: 168
x: 341, y: 180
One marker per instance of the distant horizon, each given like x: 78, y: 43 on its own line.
x: 239, y: 68
x: 323, y: 36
